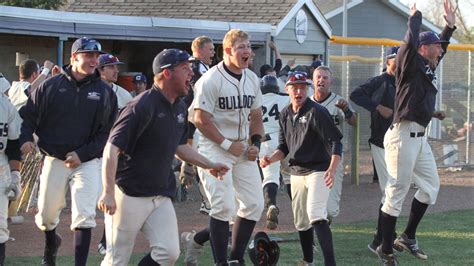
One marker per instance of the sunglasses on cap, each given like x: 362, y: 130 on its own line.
x: 298, y: 77
x: 90, y: 46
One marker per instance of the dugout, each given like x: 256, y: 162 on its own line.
x: 46, y: 34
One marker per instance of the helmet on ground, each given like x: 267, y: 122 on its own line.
x: 263, y: 251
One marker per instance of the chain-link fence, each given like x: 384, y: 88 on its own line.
x: 451, y: 139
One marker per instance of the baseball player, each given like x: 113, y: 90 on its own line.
x: 228, y: 114
x: 71, y: 113
x: 273, y: 103
x: 10, y: 161
x: 108, y: 69
x: 377, y: 96
x: 407, y: 152
x: 306, y: 135
x: 203, y: 52
x: 139, y: 182
x: 139, y: 83
x: 340, y: 110
x: 30, y: 78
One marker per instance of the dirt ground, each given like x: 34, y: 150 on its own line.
x: 358, y: 203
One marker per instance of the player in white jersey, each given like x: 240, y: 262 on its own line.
x: 228, y: 114
x: 108, y: 68
x: 273, y: 103
x: 10, y: 157
x: 30, y: 78
x: 340, y: 110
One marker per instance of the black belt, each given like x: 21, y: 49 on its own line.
x: 417, y: 134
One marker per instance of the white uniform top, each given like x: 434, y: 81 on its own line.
x: 228, y: 100
x: 271, y: 107
x: 336, y: 113
x: 123, y: 96
x: 10, y: 123
x: 18, y: 93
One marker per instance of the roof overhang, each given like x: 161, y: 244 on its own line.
x: 314, y: 11
x: 16, y: 20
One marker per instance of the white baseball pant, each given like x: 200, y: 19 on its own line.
x: 409, y: 157
x: 242, y: 183
x: 378, y: 154
x: 154, y: 216
x: 84, y: 182
x: 310, y: 196
x: 5, y: 180
x: 334, y: 200
x: 271, y: 173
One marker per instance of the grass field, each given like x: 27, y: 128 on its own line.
x: 447, y: 238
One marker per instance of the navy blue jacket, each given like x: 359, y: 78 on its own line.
x: 415, y: 80
x: 377, y: 90
x: 68, y: 115
x: 308, y: 137
x: 148, y: 130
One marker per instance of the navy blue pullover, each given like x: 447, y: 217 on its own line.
x: 307, y: 138
x: 377, y: 90
x: 69, y: 115
x: 415, y: 80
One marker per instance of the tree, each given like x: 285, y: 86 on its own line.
x: 434, y: 13
x: 41, y: 4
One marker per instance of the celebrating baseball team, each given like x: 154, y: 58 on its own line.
x: 237, y: 135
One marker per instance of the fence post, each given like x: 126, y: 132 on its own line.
x: 355, y: 152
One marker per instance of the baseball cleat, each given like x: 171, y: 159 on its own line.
x: 373, y: 247
x: 272, y: 217
x: 304, y: 263
x: 387, y: 259
x: 192, y: 250
x: 411, y: 245
x: 49, y: 256
x: 101, y: 248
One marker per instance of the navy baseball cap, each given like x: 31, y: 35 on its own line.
x: 169, y: 58
x: 86, y: 45
x: 392, y: 52
x: 108, y: 60
x: 139, y: 78
x: 429, y: 37
x: 316, y: 63
x: 298, y: 77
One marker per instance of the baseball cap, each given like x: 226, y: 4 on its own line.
x: 316, y: 63
x: 429, y: 37
x: 86, y: 45
x: 108, y: 60
x: 169, y: 58
x: 298, y: 77
x: 392, y: 52
x: 4, y: 84
x: 139, y: 78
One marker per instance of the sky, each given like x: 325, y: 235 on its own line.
x: 421, y: 4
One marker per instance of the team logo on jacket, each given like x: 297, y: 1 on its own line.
x: 93, y: 96
x: 180, y: 118
x: 236, y: 102
x: 303, y: 120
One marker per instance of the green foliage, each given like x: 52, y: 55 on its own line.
x: 41, y: 4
